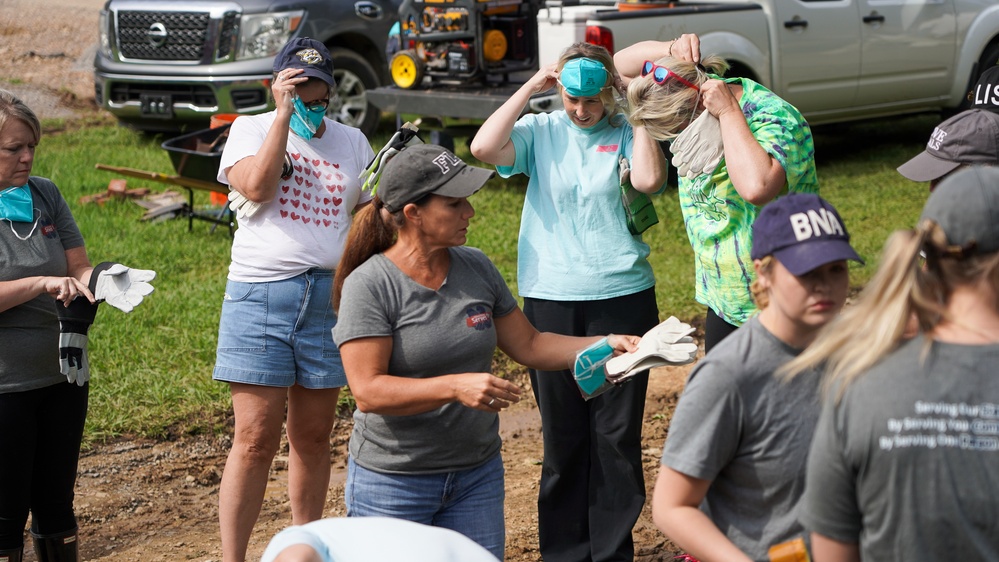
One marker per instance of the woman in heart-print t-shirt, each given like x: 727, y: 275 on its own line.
x: 294, y: 175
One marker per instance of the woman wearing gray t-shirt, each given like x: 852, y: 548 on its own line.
x: 733, y: 468
x: 905, y: 460
x: 420, y: 316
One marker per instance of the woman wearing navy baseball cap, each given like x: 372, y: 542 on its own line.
x: 293, y: 173
x: 904, y: 461
x: 733, y: 467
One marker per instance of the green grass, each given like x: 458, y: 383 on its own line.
x: 151, y: 369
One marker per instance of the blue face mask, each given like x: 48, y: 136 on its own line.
x: 15, y: 204
x: 305, y: 122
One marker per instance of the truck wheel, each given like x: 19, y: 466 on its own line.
x: 406, y: 69
x: 354, y: 77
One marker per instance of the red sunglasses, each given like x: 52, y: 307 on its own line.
x: 661, y: 74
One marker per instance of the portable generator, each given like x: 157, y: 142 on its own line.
x: 464, y: 41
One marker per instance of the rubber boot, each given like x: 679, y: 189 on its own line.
x: 59, y: 547
x: 12, y: 555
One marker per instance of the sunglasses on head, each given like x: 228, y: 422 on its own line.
x: 661, y: 74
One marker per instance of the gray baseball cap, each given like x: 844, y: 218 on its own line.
x: 970, y: 137
x: 966, y: 206
x: 423, y: 169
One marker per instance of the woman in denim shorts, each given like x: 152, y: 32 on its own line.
x: 293, y: 173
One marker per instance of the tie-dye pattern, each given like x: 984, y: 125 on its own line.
x: 719, y: 221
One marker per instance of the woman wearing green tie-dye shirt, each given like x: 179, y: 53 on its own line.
x: 762, y: 146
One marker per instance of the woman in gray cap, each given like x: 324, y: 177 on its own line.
x: 903, y: 462
x: 421, y: 316
x: 293, y: 174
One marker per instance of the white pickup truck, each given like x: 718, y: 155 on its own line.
x: 835, y: 60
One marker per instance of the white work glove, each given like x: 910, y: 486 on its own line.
x: 74, y: 322
x: 120, y: 286
x: 669, y: 343
x: 243, y: 207
x: 699, y: 148
x: 405, y: 136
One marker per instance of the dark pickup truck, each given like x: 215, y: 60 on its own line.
x: 168, y: 65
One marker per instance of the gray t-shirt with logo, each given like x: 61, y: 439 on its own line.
x: 748, y: 432
x: 447, y: 331
x: 907, y: 463
x: 29, y: 332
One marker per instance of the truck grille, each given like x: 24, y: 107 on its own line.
x: 183, y: 94
x: 175, y: 36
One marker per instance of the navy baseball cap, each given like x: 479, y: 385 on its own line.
x: 583, y: 77
x: 966, y: 206
x: 423, y: 169
x: 308, y: 54
x: 803, y: 231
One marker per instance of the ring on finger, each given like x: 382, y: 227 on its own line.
x: 491, y: 400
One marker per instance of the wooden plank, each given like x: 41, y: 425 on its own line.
x: 165, y: 178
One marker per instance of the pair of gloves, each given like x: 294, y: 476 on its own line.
x: 405, y: 136
x: 669, y: 343
x: 121, y: 287
x: 699, y: 148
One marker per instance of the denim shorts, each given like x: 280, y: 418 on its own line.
x: 279, y: 333
x: 467, y: 501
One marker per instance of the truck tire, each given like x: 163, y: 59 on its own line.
x: 354, y: 77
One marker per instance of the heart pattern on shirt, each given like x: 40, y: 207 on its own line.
x: 319, y: 197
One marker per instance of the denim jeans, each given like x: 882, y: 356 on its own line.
x: 468, y: 501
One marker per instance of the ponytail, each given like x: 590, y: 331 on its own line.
x: 373, y: 232
x: 903, y: 289
x: 867, y: 331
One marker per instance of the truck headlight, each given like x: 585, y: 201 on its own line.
x: 105, y: 33
x: 263, y: 35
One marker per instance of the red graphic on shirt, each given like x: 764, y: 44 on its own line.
x: 607, y: 148
x: 319, y: 197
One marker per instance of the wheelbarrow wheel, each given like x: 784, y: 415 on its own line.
x: 406, y: 69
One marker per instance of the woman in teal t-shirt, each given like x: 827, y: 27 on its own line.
x: 581, y: 272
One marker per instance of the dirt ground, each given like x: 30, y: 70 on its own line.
x: 157, y: 500
x: 140, y: 500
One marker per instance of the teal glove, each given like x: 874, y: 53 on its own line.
x: 699, y: 148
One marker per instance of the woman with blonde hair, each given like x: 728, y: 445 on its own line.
x: 581, y: 272
x: 733, y: 467
x: 903, y: 465
x: 745, y: 146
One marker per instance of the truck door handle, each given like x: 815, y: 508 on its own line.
x: 796, y: 23
x: 874, y: 18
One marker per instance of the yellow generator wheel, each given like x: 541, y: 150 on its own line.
x: 406, y: 69
x: 494, y: 45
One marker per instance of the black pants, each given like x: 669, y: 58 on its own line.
x: 715, y: 330
x: 592, y: 488
x: 40, y: 435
